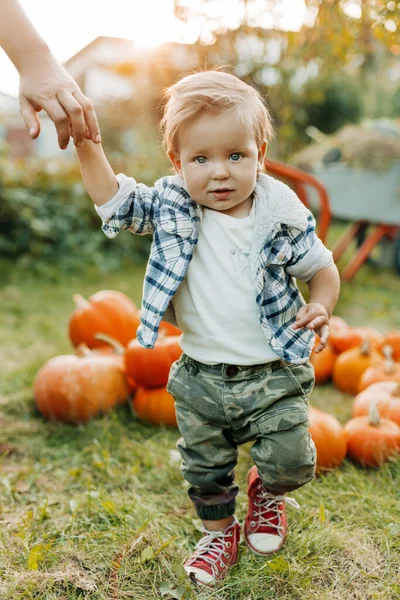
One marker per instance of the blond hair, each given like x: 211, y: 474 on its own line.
x: 213, y: 90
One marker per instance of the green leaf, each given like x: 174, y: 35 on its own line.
x: 169, y: 589
x: 393, y: 529
x: 147, y: 554
x: 321, y: 514
x: 278, y: 564
x: 35, y: 555
x: 109, y: 506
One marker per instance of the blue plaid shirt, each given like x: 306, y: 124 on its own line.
x: 284, y: 246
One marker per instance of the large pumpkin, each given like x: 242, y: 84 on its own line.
x: 371, y: 440
x: 115, y: 352
x: 329, y: 439
x: 388, y: 370
x: 74, y: 389
x: 108, y: 312
x: 323, y: 362
x: 351, y: 364
x: 386, y: 395
x: 150, y: 367
x: 343, y: 339
x: 155, y: 405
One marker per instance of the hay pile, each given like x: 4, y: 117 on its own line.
x: 373, y: 145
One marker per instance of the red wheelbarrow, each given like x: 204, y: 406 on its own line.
x: 360, y: 197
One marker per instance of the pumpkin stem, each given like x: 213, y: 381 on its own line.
x: 396, y: 391
x: 390, y: 367
x: 80, y: 301
x: 83, y: 350
x: 365, y: 348
x: 118, y: 347
x: 374, y: 418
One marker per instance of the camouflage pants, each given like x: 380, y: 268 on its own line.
x: 221, y: 406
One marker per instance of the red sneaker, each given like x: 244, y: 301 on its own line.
x: 265, y: 526
x: 213, y: 555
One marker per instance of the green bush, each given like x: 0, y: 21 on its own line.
x: 46, y: 217
x: 330, y: 103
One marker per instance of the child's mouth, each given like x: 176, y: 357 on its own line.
x: 222, y: 194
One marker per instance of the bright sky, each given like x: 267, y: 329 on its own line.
x: 148, y: 22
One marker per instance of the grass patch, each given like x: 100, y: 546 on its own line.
x: 101, y: 512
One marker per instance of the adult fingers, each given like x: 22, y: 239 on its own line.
x: 90, y: 115
x: 75, y: 114
x: 29, y: 115
x: 60, y: 119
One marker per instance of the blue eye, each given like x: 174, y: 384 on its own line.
x: 201, y: 160
x: 235, y: 156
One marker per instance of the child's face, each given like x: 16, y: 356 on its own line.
x: 218, y: 159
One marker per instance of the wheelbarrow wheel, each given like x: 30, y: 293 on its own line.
x: 397, y: 254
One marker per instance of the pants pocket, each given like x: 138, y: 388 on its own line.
x: 303, y: 376
x: 174, y: 371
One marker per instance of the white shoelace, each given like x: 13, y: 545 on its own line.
x: 212, y: 543
x: 269, y: 503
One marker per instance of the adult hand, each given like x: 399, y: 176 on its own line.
x: 46, y: 85
x: 314, y: 316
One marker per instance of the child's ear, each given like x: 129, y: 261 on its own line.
x: 261, y: 154
x: 176, y: 162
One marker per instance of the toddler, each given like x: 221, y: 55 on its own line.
x: 228, y: 243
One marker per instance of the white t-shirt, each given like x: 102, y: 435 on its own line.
x: 215, y: 305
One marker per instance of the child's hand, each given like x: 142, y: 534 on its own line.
x: 314, y: 316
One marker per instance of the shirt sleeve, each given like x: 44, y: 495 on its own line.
x: 309, y: 255
x: 133, y: 207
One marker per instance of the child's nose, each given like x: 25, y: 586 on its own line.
x: 221, y: 171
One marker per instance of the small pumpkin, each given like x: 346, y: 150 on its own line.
x: 107, y: 311
x: 323, y: 362
x: 329, y: 439
x: 386, y: 395
x: 388, y: 370
x: 150, y: 367
x: 345, y: 339
x: 337, y: 326
x: 351, y: 364
x: 155, y: 405
x: 73, y: 389
x: 392, y: 339
x: 371, y: 440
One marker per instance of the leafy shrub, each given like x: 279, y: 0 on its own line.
x: 330, y: 103
x: 46, y: 216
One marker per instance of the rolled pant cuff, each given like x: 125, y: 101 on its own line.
x: 215, y: 512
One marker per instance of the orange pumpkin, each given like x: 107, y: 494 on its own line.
x: 351, y: 364
x: 392, y: 339
x: 150, y: 367
x: 337, y: 325
x: 345, y: 339
x: 388, y: 370
x: 107, y: 311
x: 168, y: 329
x: 155, y: 405
x: 114, y: 350
x: 323, y: 362
x: 74, y: 389
x: 329, y: 439
x: 371, y: 440
x: 386, y: 395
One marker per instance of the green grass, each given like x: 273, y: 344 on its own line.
x: 101, y: 511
